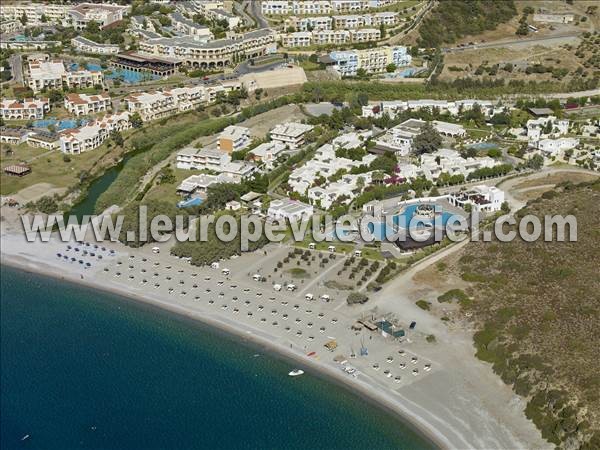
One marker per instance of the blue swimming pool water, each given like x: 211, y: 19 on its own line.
x: 483, y: 146
x: 191, y: 202
x: 127, y: 76
x: 63, y: 124
x: 404, y: 220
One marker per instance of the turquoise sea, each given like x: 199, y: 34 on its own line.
x: 90, y: 370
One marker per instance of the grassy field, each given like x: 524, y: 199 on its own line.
x: 167, y: 191
x: 50, y: 167
x: 536, y: 308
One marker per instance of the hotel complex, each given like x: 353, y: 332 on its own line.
x: 83, y: 104
x: 30, y: 108
x: 93, y: 134
x: 52, y: 75
x: 213, y: 54
x: 372, y: 60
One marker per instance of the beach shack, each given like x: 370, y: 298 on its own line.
x: 358, y: 253
x: 388, y: 329
x: 331, y: 248
x: 214, y: 265
x: 225, y: 271
x: 277, y: 287
x: 17, y: 170
x: 312, y: 246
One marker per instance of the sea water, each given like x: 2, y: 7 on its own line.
x: 86, y: 369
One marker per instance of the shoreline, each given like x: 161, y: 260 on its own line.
x: 319, y: 369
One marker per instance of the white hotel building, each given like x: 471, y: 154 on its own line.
x: 365, y: 20
x: 160, y: 104
x: 213, y: 54
x: 291, y: 134
x: 83, y: 104
x: 52, y: 75
x: 216, y: 161
x: 93, y: 134
x: 319, y: 7
x: 85, y: 45
x: 31, y: 108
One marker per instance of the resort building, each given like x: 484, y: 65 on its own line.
x: 151, y: 105
x: 319, y: 7
x: 292, y: 210
x: 365, y: 35
x: 93, y: 134
x: 324, y: 164
x: 10, y: 26
x: 214, y: 54
x: 297, y: 39
x: 85, y: 45
x: 191, y: 158
x: 554, y: 147
x: 159, y: 104
x: 13, y: 136
x: 267, y: 153
x: 392, y: 108
x: 220, y: 14
x: 216, y: 161
x: 46, y: 75
x: 291, y: 134
x: 53, y: 14
x: 372, y: 60
x: 197, y: 184
x: 52, y: 74
x: 83, y: 104
x: 102, y: 13
x: 187, y: 26
x: 310, y: 23
x: 233, y: 138
x: 481, y: 198
x: 544, y: 127
x: 31, y: 108
x: 137, y: 62
x: 84, y: 79
x: 365, y: 20
x: 43, y: 139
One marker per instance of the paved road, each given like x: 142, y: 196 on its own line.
x: 398, y: 37
x: 504, y: 43
x: 16, y: 68
x: 239, y: 10
x: 255, y: 11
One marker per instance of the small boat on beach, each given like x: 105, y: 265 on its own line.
x: 296, y: 373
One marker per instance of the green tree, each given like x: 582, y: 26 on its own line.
x: 136, y: 120
x: 23, y: 19
x: 428, y: 140
x: 391, y: 68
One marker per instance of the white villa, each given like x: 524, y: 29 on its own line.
x: 268, y: 153
x: 216, y: 161
x: 482, y: 198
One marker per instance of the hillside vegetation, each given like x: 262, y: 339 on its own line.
x: 451, y: 20
x: 537, y: 306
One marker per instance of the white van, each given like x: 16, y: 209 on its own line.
x: 214, y: 265
x: 309, y: 297
x: 291, y: 287
x: 325, y: 297
x: 257, y: 277
x: 155, y: 250
x: 225, y: 271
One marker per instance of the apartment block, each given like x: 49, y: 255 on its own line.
x: 310, y: 23
x: 216, y: 161
x: 51, y: 12
x: 93, y: 134
x: 101, y: 13
x: 31, y: 108
x: 83, y: 104
x: 45, y: 75
x: 291, y: 134
x: 365, y: 20
x: 187, y: 26
x: 159, y: 104
x: 373, y: 60
x: 213, y: 54
x: 84, y: 78
x: 234, y: 138
x: 84, y: 45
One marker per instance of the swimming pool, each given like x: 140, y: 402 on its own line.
x: 197, y: 201
x: 63, y: 124
x: 483, y: 146
x: 405, y: 220
x: 125, y: 75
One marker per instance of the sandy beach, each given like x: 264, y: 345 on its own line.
x: 441, y: 389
